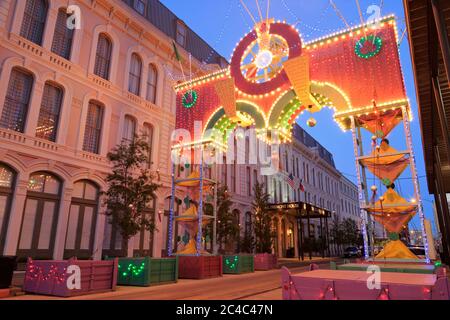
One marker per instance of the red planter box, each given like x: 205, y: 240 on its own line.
x: 265, y: 261
x: 51, y: 277
x: 202, y: 267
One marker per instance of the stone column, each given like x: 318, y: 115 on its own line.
x: 15, y: 219
x: 34, y: 109
x: 99, y: 230
x: 49, y: 31
x: 63, y: 220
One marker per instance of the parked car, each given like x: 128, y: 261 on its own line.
x: 352, y: 252
x: 417, y: 250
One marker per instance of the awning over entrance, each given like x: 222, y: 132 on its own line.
x: 300, y: 210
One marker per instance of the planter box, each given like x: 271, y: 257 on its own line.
x: 144, y: 272
x: 7, y: 266
x: 265, y: 261
x: 352, y: 285
x: 49, y: 277
x: 238, y: 264
x: 202, y: 267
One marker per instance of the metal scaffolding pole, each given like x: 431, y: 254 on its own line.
x: 200, y: 208
x: 214, y: 235
x: 171, y: 209
x: 412, y: 160
x: 363, y: 214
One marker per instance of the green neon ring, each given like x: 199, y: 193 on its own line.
x: 187, y: 95
x: 377, y: 41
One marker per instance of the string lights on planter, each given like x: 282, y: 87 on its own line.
x: 132, y: 270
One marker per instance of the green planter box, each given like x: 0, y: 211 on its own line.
x: 144, y: 272
x: 238, y: 264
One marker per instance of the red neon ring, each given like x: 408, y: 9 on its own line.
x: 294, y: 42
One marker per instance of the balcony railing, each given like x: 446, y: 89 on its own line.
x: 49, y: 147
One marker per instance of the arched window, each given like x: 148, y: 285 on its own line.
x: 93, y: 130
x: 134, y: 82
x: 152, y: 83
x: 103, y: 56
x: 17, y: 100
x: 82, y: 220
x: 129, y: 129
x: 63, y: 37
x: 7, y: 181
x: 47, y: 125
x: 148, y: 135
x: 37, y: 236
x: 34, y: 18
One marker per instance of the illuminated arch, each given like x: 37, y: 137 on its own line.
x: 220, y: 125
x: 286, y: 109
x: 334, y: 96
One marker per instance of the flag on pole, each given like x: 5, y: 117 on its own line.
x: 175, y: 50
x: 290, y: 181
x: 301, y: 187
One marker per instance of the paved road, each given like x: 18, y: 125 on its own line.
x: 254, y: 286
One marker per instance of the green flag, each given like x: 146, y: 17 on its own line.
x: 175, y: 49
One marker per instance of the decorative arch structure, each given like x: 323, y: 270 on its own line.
x: 274, y: 76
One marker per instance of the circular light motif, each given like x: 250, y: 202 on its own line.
x: 263, y: 59
x: 190, y: 99
x: 373, y: 42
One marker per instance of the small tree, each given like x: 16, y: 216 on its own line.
x: 247, y: 243
x: 351, y: 233
x: 131, y: 187
x: 336, y: 232
x: 264, y: 234
x: 227, y: 229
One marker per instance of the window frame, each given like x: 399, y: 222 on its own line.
x: 83, y: 203
x: 11, y: 97
x: 152, y: 87
x: 54, y: 136
x: 99, y: 131
x: 34, y: 23
x: 132, y: 77
x: 67, y: 35
x: 179, y: 27
x: 42, y: 198
x: 107, y: 61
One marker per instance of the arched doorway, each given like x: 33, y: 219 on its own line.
x: 7, y: 184
x: 82, y: 220
x: 290, y: 252
x: 40, y: 217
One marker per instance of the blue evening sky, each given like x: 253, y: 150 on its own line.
x: 223, y: 22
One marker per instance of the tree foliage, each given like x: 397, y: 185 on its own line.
x: 264, y: 234
x: 227, y: 228
x: 345, y: 232
x: 131, y: 187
